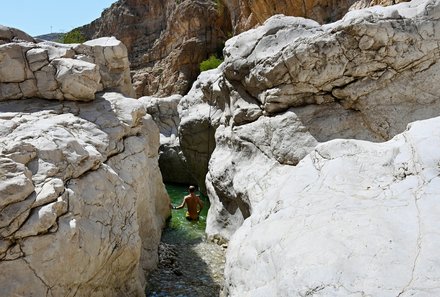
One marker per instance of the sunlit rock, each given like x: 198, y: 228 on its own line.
x: 353, y: 218
x: 82, y: 202
x: 291, y: 83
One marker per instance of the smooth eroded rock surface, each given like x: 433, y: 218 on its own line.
x: 353, y: 218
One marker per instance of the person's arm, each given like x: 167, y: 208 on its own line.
x: 181, y: 205
x: 200, y: 205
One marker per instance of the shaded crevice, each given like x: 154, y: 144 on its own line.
x: 48, y: 287
x: 417, y: 197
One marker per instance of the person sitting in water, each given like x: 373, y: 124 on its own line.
x: 191, y: 201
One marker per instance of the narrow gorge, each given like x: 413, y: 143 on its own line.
x: 314, y: 145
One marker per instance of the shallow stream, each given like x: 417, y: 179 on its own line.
x: 189, y: 265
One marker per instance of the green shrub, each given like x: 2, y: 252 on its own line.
x: 74, y: 36
x: 211, y: 63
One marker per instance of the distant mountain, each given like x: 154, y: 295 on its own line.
x: 50, y: 36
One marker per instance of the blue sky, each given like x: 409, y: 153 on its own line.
x: 37, y: 17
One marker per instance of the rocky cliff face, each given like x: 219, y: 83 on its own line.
x: 167, y: 40
x: 82, y: 202
x: 292, y: 83
x: 368, y: 3
x: 8, y: 35
x: 246, y: 15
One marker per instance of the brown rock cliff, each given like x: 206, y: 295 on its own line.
x: 247, y: 14
x: 367, y: 3
x: 166, y: 40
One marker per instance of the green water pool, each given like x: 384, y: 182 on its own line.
x: 190, y: 266
x: 178, y: 224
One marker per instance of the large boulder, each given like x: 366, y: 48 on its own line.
x: 82, y: 202
x: 51, y: 70
x: 353, y: 218
x: 112, y: 57
x: 291, y: 83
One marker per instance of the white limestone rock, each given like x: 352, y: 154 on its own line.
x: 112, y: 57
x: 354, y: 218
x: 364, y: 77
x: 82, y: 203
x: 37, y: 58
x: 57, y: 50
x: 49, y: 192
x: 51, y: 70
x: 12, y: 64
x: 200, y: 114
x: 260, y: 149
x: 16, y: 183
x: 78, y: 80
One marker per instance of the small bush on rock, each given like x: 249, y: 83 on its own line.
x: 211, y: 63
x: 74, y: 36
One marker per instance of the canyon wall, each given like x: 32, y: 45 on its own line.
x: 172, y: 162
x: 315, y: 179
x: 247, y: 14
x: 82, y: 203
x: 291, y: 83
x: 166, y: 40
x: 368, y: 3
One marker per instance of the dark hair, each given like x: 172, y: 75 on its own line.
x: 192, y: 189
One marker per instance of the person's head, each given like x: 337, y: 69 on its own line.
x: 192, y: 189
